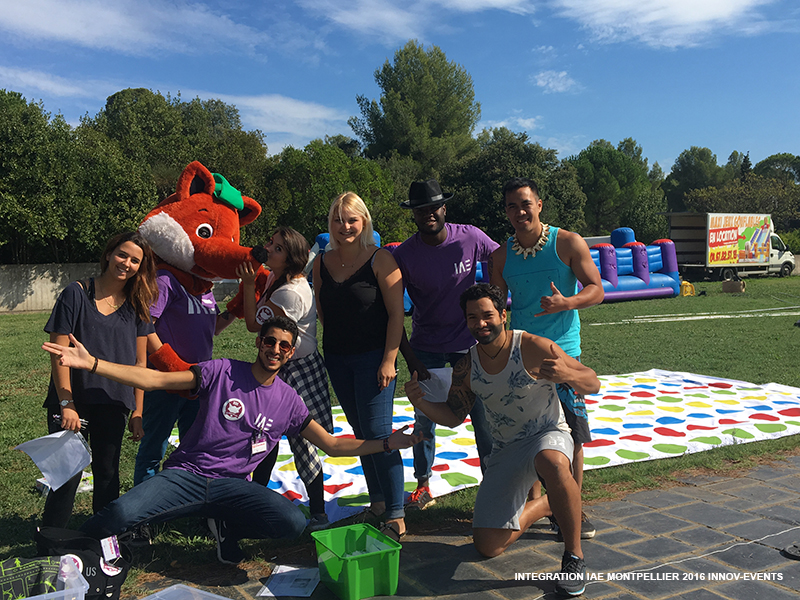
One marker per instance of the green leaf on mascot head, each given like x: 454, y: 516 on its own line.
x: 227, y: 193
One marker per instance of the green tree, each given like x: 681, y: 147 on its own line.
x: 427, y: 110
x: 643, y: 215
x: 783, y: 166
x: 477, y: 184
x: 612, y: 179
x: 694, y: 169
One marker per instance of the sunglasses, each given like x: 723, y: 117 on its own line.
x: 271, y: 341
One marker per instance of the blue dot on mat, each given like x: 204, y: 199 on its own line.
x: 337, y: 430
x: 452, y: 455
x: 403, y: 418
x: 785, y: 402
x: 636, y: 425
x: 670, y: 384
x: 355, y: 471
x: 760, y: 407
x: 644, y: 386
x: 408, y: 462
x: 605, y: 431
x: 700, y: 416
x: 669, y: 421
x: 274, y: 485
x: 728, y: 411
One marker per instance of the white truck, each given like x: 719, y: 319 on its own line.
x: 727, y: 245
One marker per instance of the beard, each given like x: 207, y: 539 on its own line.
x: 490, y: 336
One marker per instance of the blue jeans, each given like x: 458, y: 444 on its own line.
x: 369, y: 411
x: 161, y: 410
x: 250, y: 510
x: 425, y: 451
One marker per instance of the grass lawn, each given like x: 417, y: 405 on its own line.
x: 617, y: 338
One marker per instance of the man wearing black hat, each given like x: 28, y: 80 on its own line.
x: 438, y: 263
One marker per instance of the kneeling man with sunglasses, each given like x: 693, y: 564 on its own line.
x: 244, y: 411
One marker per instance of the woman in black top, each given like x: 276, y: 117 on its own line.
x: 110, y: 315
x: 359, y: 295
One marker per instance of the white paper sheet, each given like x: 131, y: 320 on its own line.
x: 290, y: 581
x: 438, y: 386
x: 59, y: 456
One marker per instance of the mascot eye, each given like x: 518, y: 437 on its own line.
x: 205, y: 231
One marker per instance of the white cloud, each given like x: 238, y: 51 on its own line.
x: 513, y: 123
x: 664, y: 23
x: 137, y: 28
x: 555, y: 82
x: 31, y: 82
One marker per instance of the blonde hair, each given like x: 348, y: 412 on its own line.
x: 351, y: 202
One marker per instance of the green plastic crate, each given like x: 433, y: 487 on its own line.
x: 374, y: 572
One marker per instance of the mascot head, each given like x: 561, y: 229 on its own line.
x: 196, y: 229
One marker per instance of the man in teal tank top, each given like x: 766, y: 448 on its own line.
x: 541, y: 266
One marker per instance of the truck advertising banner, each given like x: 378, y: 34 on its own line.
x: 736, y: 239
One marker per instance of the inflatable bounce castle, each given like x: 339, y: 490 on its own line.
x: 632, y: 271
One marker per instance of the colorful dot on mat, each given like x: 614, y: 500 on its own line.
x: 729, y: 402
x: 645, y: 387
x: 665, y: 383
x: 438, y: 468
x: 409, y: 409
x: 337, y: 429
x: 402, y: 419
x: 340, y: 418
x: 452, y: 455
x: 596, y: 461
x: 698, y: 395
x: 710, y: 440
x: 274, y: 485
x: 341, y: 460
x: 455, y: 479
x: 288, y: 467
x: 636, y: 438
x: 355, y: 470
x: 637, y: 425
x: 698, y: 404
x: 729, y: 422
x: 641, y: 413
x: 643, y: 394
x: 785, y: 402
x: 790, y: 412
x: 609, y: 419
x: 631, y: 455
x: 470, y: 428
x: 599, y: 443
x: 721, y: 385
x: 618, y: 384
x: 472, y: 462
x: 589, y: 401
x: 771, y: 427
x: 613, y: 397
x: 675, y: 409
x: 693, y: 427
x: 401, y: 402
x: 669, y: 421
x: 724, y: 392
x: 445, y: 432
x: 463, y: 441
x: 605, y: 431
x: 611, y: 407
x: 763, y: 417
x: 353, y: 500
x: 337, y: 487
x: 699, y: 416
x: 760, y: 398
x: 292, y: 495
x: 670, y: 448
x: 643, y: 402
x: 666, y: 431
x: 795, y: 423
x: 740, y: 433
x: 337, y: 410
x: 645, y: 380
x: 724, y: 411
x: 283, y: 457
x: 408, y: 462
x: 669, y: 399
x: 668, y: 392
x: 760, y: 407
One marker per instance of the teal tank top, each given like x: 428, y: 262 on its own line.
x: 529, y: 280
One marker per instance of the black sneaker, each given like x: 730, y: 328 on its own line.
x: 140, y: 536
x: 228, y: 551
x: 572, y: 581
x: 587, y: 529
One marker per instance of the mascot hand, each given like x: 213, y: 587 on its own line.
x: 166, y: 359
x: 236, y: 305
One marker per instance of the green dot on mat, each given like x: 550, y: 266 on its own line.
x: 283, y: 457
x: 612, y: 407
x: 712, y: 440
x: 670, y: 448
x: 410, y: 486
x: 445, y: 432
x: 723, y: 392
x: 641, y: 402
x: 321, y: 452
x: 455, y: 479
x: 470, y: 428
x: 175, y: 432
x: 793, y: 422
x: 337, y: 410
x: 670, y: 398
x: 698, y: 395
x: 596, y: 460
x: 631, y: 455
x: 771, y: 427
x: 739, y: 433
x: 402, y: 402
x: 353, y: 500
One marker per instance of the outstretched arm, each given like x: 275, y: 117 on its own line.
x: 340, y: 446
x: 78, y: 357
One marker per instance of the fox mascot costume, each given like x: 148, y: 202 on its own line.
x: 195, y: 236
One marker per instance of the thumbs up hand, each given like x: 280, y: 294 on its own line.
x: 554, y: 367
x: 554, y: 303
x: 413, y: 390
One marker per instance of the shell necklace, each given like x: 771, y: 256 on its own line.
x: 526, y: 252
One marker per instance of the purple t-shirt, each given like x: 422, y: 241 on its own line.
x: 185, y: 322
x: 235, y: 410
x: 435, y: 277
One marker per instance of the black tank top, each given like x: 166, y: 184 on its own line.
x: 354, y: 313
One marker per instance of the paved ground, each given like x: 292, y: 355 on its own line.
x: 708, y: 539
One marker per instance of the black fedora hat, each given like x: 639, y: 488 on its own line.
x: 425, y: 193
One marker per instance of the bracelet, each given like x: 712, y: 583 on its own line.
x: 386, y: 446
x: 94, y: 367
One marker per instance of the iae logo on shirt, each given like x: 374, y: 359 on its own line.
x: 465, y: 266
x: 233, y: 409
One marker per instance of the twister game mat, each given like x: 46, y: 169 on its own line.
x: 638, y: 416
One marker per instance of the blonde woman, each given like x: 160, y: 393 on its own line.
x: 359, y: 295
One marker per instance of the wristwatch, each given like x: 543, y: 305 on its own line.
x: 65, y: 402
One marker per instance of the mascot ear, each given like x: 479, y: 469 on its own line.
x: 195, y: 179
x: 250, y: 211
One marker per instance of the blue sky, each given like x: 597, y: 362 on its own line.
x: 669, y: 73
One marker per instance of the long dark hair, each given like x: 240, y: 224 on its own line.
x: 141, y: 290
x: 297, y: 249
